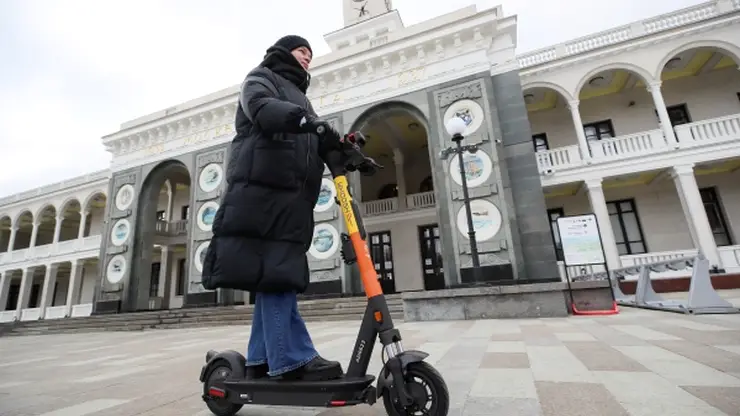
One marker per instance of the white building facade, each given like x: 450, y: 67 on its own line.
x: 638, y: 124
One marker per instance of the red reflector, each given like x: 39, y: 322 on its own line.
x: 337, y: 403
x: 216, y: 392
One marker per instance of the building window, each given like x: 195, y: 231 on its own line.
x: 678, y: 114
x: 181, y: 278
x: 185, y: 212
x: 599, y: 130
x: 626, y: 227
x: 553, y: 214
x: 160, y: 216
x: 716, y: 216
x: 540, y: 142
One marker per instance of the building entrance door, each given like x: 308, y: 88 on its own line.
x: 431, y: 257
x: 381, y: 250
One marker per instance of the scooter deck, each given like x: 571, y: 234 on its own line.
x: 344, y: 384
x: 334, y: 393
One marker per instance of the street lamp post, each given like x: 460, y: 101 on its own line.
x: 455, y: 128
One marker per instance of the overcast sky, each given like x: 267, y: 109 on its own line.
x: 72, y: 71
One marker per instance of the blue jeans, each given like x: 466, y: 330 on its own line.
x: 279, y: 336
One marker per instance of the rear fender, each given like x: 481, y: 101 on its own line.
x: 236, y: 362
x: 385, y: 378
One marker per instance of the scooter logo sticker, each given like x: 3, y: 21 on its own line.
x: 345, y: 200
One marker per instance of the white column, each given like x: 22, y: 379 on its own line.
x: 167, y: 259
x: 400, y: 178
x: 5, y: 278
x: 34, y: 234
x: 11, y: 241
x: 696, y: 215
x: 75, y: 280
x: 598, y: 205
x: 170, y: 202
x: 25, y: 291
x: 57, y: 228
x: 83, y: 224
x: 665, y: 120
x: 47, y: 291
x: 575, y: 113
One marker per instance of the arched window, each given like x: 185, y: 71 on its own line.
x: 388, y: 191
x: 427, y: 185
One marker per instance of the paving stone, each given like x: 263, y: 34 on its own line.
x: 636, y: 363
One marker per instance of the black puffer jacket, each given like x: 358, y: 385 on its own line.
x: 264, y: 225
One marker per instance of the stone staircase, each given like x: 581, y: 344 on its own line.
x: 311, y: 310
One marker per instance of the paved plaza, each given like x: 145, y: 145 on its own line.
x: 637, y: 363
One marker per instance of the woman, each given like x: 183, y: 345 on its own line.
x: 264, y: 225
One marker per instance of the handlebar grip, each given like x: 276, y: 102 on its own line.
x: 320, y: 130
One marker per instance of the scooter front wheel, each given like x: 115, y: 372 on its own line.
x: 215, y: 378
x: 427, y: 387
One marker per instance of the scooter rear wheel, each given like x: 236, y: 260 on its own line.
x: 428, y: 388
x: 216, y: 377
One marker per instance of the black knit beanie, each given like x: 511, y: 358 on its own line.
x: 291, y: 42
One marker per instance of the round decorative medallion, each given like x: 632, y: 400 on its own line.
x: 486, y: 219
x: 206, y: 215
x: 120, y: 232
x: 325, y: 241
x: 468, y: 110
x: 211, y: 177
x: 478, y: 168
x: 116, y: 269
x: 124, y: 197
x: 200, y: 256
x: 326, y: 196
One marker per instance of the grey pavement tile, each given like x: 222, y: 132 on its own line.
x: 557, y: 364
x: 703, y: 337
x: 505, y: 360
x: 651, y: 363
x: 480, y: 406
x: 539, y: 335
x: 600, y: 357
x: 711, y: 356
x: 577, y: 399
x: 677, y: 368
x: 609, y: 336
x: 726, y: 399
x: 509, y: 383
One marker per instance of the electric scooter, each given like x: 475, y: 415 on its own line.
x: 407, y: 384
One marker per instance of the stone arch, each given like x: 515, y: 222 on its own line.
x: 90, y: 197
x: 549, y: 85
x: 729, y: 49
x: 646, y: 76
x: 142, y: 240
x: 398, y: 134
x: 66, y: 202
x: 388, y: 108
x: 20, y: 214
x: 45, y: 207
x: 70, y: 222
x: 22, y: 237
x: 6, y: 224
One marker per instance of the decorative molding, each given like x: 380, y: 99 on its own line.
x: 215, y: 156
x: 471, y: 90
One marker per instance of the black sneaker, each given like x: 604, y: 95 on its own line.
x: 256, y: 371
x: 318, y: 369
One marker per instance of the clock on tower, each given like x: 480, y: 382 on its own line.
x: 358, y: 10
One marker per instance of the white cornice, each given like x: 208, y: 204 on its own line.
x: 631, y: 36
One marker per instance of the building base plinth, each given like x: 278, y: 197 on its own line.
x: 537, y: 300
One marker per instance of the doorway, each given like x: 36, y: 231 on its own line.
x: 381, y: 251
x: 431, y: 257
